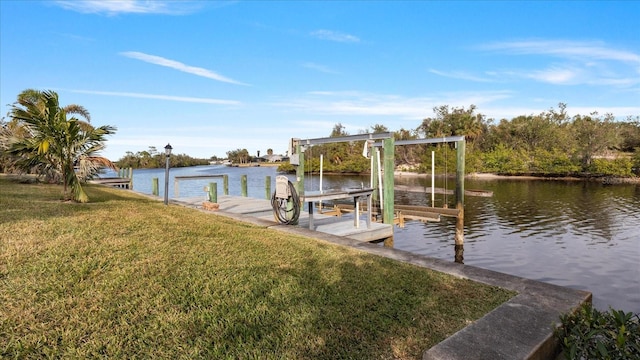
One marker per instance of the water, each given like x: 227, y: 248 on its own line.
x: 570, y: 233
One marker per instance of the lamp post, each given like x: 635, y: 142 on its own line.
x: 167, y: 152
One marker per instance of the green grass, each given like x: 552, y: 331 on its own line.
x: 127, y: 277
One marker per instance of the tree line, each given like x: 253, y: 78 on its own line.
x: 547, y: 144
x: 151, y: 158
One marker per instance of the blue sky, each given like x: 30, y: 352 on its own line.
x: 209, y: 77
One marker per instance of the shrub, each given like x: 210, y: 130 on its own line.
x: 286, y: 167
x: 504, y: 160
x: 555, y: 162
x: 636, y: 162
x: 616, y: 167
x: 592, y: 334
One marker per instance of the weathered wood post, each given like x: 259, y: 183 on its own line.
x: 388, y: 182
x: 267, y: 187
x: 374, y: 176
x: 459, y: 239
x: 299, y: 184
x: 130, y: 178
x: 300, y: 171
x: 243, y: 185
x: 213, y: 192
x: 225, y: 184
x: 388, y: 146
x: 154, y: 186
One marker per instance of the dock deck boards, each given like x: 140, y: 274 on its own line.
x: 339, y: 226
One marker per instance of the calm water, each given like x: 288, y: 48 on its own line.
x: 576, y: 234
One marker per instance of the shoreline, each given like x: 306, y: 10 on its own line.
x: 609, y: 180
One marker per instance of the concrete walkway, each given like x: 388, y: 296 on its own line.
x: 521, y: 328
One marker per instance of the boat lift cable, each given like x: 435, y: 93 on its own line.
x: 286, y: 208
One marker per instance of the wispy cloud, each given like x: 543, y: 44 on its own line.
x: 566, y: 49
x: 319, y: 67
x: 335, y: 36
x: 113, y: 7
x: 461, y: 75
x: 574, y: 62
x: 555, y: 75
x: 159, y: 97
x: 198, y: 71
x: 349, y: 103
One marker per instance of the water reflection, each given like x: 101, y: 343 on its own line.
x: 577, y: 234
x: 458, y: 253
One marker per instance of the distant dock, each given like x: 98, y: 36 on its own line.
x: 118, y: 182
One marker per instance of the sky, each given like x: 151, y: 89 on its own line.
x: 211, y: 77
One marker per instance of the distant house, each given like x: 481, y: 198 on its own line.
x: 273, y: 158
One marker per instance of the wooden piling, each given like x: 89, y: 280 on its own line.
x: 300, y: 171
x: 388, y: 181
x: 267, y: 187
x: 225, y: 184
x: 213, y: 192
x: 154, y: 186
x: 460, y: 158
x: 243, y: 185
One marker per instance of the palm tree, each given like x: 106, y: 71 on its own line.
x: 54, y: 145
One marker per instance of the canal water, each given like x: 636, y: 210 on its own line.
x: 582, y: 235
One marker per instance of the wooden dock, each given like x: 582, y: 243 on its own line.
x: 261, y: 209
x: 427, y: 190
x: 122, y: 183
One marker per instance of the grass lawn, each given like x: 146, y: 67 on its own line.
x: 124, y: 276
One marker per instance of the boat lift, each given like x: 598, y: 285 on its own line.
x: 386, y: 142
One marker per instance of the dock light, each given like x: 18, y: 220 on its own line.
x: 167, y: 152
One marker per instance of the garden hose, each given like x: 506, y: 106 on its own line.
x: 286, y: 211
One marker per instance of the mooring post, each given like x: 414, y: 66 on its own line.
x: 243, y: 185
x: 225, y: 184
x: 388, y: 148
x: 459, y: 240
x: 388, y: 182
x: 130, y: 178
x: 213, y: 192
x: 267, y: 187
x: 374, y: 176
x: 300, y: 171
x: 154, y: 186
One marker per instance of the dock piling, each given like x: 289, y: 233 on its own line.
x: 213, y: 192
x: 243, y: 185
x: 267, y: 187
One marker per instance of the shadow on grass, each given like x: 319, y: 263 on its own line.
x: 24, y: 200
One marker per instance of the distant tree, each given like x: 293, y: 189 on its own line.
x: 378, y: 128
x: 269, y: 151
x: 593, y: 135
x: 454, y: 122
x: 54, y: 145
x: 338, y: 131
x: 408, y: 154
x: 630, y: 134
x: 240, y: 156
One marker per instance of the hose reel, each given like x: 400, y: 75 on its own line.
x: 285, y: 202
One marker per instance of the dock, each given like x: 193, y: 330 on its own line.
x: 119, y: 182
x: 261, y: 210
